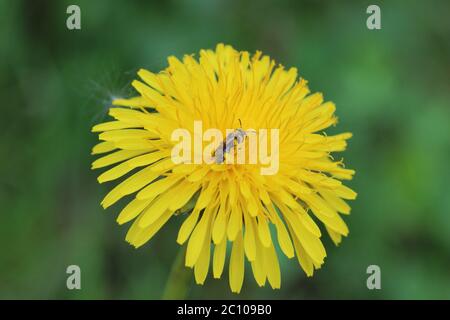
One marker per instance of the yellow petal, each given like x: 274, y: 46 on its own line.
x: 156, y: 99
x: 245, y: 189
x: 122, y: 134
x: 136, y: 118
x: 303, y: 258
x: 316, y: 203
x: 220, y: 224
x: 135, y: 144
x: 335, y: 202
x: 264, y: 196
x: 259, y: 271
x: 283, y: 238
x: 156, y: 188
x: 264, y: 232
x: 111, y: 125
x: 157, y: 208
x: 132, y: 210
x: 235, y: 222
x: 112, y: 197
x: 187, y: 226
x: 335, y: 222
x: 272, y: 267
x: 147, y: 233
x: 249, y: 238
x: 336, y: 237
x: 150, y: 78
x: 103, y: 147
x: 125, y: 167
x: 197, y: 239
x: 184, y: 194
x: 130, y: 185
x: 237, y: 265
x: 345, y: 192
x: 135, y: 102
x: 202, y: 265
x: 299, y: 216
x: 233, y: 193
x: 148, y: 158
x: 220, y: 251
x: 115, y: 157
x: 163, y: 165
x: 198, y: 174
x: 252, y: 205
x: 207, y: 195
x: 114, y: 173
x: 312, y: 244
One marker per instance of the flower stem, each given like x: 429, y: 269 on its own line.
x: 179, y: 279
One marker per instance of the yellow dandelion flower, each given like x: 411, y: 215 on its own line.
x: 228, y: 203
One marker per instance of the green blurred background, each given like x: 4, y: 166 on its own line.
x: 391, y: 88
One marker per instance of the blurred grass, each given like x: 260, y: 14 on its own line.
x: 391, y: 88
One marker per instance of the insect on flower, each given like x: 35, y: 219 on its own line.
x: 231, y: 141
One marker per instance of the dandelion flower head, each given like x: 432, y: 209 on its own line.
x: 257, y: 217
